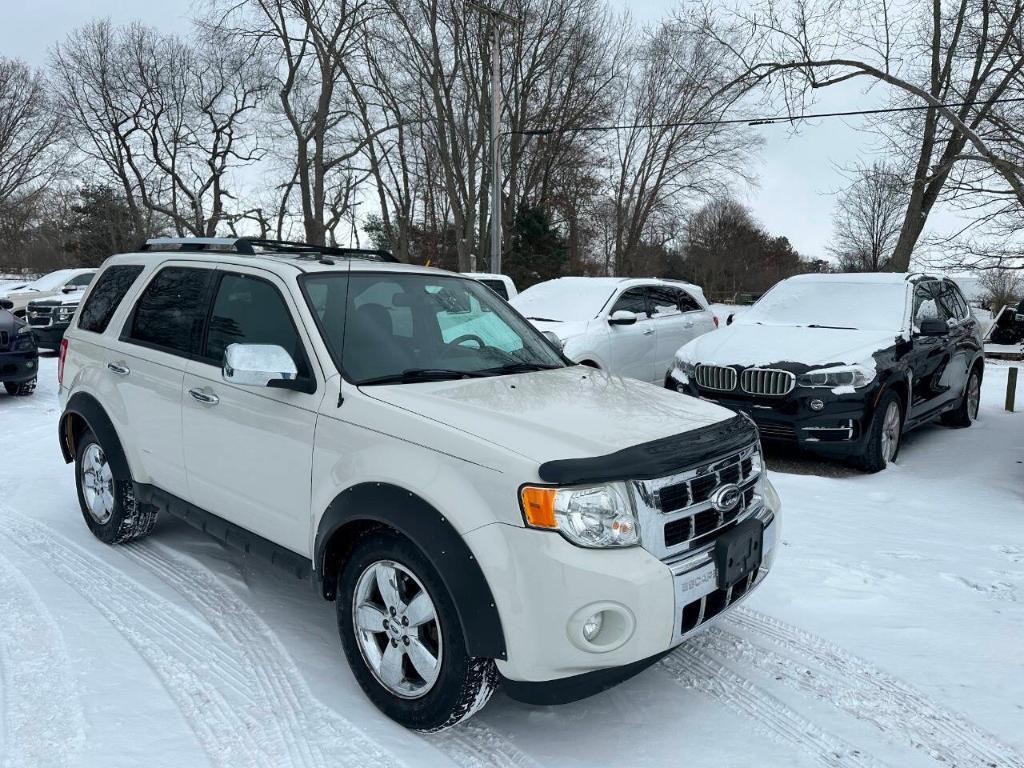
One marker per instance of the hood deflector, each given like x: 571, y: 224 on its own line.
x: 657, y: 458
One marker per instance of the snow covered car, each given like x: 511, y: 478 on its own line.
x: 53, y: 284
x: 626, y: 326
x: 19, y: 357
x: 50, y: 318
x: 500, y: 284
x: 480, y: 510
x: 843, y: 364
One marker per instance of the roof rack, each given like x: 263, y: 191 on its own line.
x: 250, y: 246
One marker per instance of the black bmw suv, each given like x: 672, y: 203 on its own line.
x: 843, y: 364
x: 19, y: 356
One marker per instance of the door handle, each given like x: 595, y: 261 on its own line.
x: 206, y: 398
x: 648, y: 331
x: 120, y: 370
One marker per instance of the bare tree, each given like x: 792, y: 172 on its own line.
x: 165, y: 120
x: 1001, y: 287
x: 959, y: 60
x: 29, y: 134
x: 868, y: 219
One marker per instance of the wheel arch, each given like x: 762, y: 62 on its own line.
x: 83, y: 411
x: 363, y: 508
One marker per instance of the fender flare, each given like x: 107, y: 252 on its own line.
x: 428, y: 529
x: 88, y: 408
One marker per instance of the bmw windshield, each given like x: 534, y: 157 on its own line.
x: 402, y: 328
x: 831, y: 304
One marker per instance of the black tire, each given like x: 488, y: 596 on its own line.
x: 967, y: 412
x: 876, y: 455
x: 21, y: 388
x: 463, y: 684
x: 127, y: 518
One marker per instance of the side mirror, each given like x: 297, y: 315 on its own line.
x: 728, y: 320
x: 932, y: 326
x: 553, y: 338
x: 622, y: 317
x: 260, y: 365
x: 6, y: 304
x: 69, y: 289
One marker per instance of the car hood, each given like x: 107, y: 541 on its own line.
x: 558, y: 414
x: 764, y: 345
x: 563, y: 329
x: 9, y: 322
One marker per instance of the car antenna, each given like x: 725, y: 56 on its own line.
x: 344, y: 332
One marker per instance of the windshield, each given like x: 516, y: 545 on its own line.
x: 564, y: 300
x: 50, y: 282
x: 402, y: 328
x: 829, y: 304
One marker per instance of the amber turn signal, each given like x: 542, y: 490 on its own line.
x: 538, y: 506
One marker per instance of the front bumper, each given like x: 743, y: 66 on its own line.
x: 837, y: 429
x: 16, y: 367
x: 545, y: 588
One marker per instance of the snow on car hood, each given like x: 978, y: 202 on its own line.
x: 567, y: 329
x: 559, y: 414
x: 770, y: 344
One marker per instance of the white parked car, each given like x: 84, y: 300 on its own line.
x: 53, y: 284
x: 480, y: 511
x: 500, y: 284
x: 626, y: 326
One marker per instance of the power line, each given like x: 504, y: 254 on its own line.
x: 760, y: 120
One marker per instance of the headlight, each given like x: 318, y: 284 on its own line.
x: 24, y: 331
x: 66, y: 313
x: 840, y: 376
x: 24, y: 340
x: 684, y: 367
x: 595, y: 516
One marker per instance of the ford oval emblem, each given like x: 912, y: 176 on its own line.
x: 726, y: 497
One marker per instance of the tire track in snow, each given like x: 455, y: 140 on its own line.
x: 44, y: 722
x: 314, y: 733
x: 474, y: 744
x: 696, y: 669
x: 866, y: 692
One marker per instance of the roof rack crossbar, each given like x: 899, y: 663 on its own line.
x: 248, y: 245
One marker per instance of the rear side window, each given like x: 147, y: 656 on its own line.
x: 110, y: 289
x: 170, y: 312
x: 498, y: 287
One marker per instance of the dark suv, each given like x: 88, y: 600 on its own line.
x: 19, y: 357
x: 844, y: 364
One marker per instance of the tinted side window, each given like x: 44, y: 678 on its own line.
x: 112, y: 286
x: 664, y: 300
x: 498, y: 287
x: 248, y: 310
x: 632, y: 300
x: 925, y: 305
x: 687, y: 303
x: 170, y: 312
x: 82, y: 280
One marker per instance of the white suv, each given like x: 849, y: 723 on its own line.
x: 479, y: 509
x: 626, y: 326
x: 53, y: 284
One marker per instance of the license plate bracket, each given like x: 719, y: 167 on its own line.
x: 738, y: 551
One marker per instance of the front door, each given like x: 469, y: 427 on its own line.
x: 930, y: 356
x: 633, y: 348
x: 249, y: 450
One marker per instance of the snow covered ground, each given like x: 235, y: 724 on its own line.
x: 889, y: 633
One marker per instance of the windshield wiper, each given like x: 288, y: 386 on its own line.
x: 544, y: 319
x: 831, y: 327
x: 522, y: 367
x: 413, y: 375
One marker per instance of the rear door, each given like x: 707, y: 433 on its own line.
x: 147, y: 363
x: 633, y: 348
x: 962, y: 345
x: 249, y: 450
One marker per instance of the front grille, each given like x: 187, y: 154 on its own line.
x: 39, y: 316
x: 712, y: 604
x: 699, y: 489
x: 769, y: 382
x: 715, y: 377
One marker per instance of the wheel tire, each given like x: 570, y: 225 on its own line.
x: 967, y: 412
x: 882, y: 447
x: 463, y: 684
x: 107, y: 500
x: 21, y: 388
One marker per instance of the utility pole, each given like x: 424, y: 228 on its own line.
x: 496, y: 18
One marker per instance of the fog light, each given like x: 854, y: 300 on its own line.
x: 30, y: 365
x: 817, y: 405
x: 592, y: 626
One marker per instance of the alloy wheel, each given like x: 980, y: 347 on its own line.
x: 97, y: 484
x: 397, y: 629
x: 891, y: 432
x: 973, y: 396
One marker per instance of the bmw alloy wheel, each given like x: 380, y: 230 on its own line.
x: 891, y: 432
x: 397, y: 629
x: 973, y: 396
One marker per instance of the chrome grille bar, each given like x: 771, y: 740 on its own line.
x: 715, y: 377
x: 770, y: 382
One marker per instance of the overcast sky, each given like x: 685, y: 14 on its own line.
x: 798, y: 173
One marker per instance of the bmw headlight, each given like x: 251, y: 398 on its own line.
x: 683, y: 369
x: 594, y: 516
x: 839, y: 376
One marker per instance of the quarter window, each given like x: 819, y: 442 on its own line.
x: 105, y: 297
x: 633, y: 300
x: 169, y: 314
x: 249, y: 310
